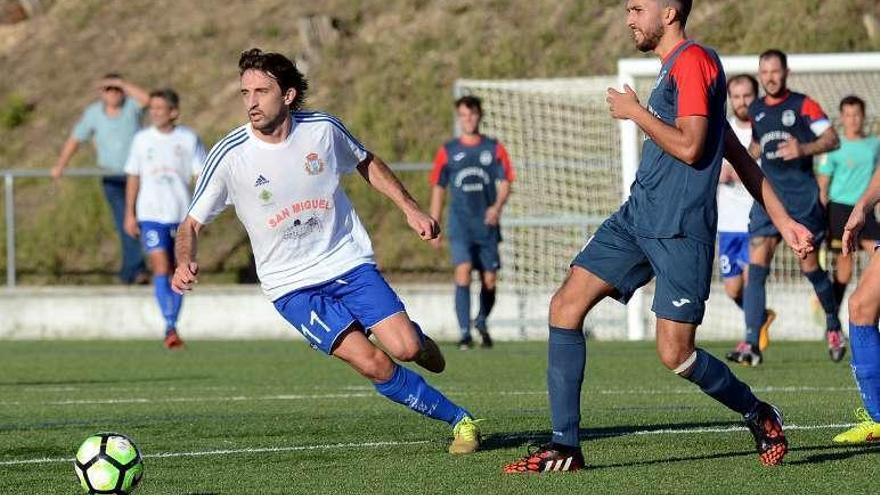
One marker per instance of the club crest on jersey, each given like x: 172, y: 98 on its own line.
x: 485, y: 158
x: 788, y: 118
x: 265, y: 195
x: 314, y: 165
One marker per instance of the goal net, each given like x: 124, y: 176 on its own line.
x: 574, y: 167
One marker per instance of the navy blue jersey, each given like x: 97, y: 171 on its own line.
x: 469, y: 173
x: 670, y: 198
x: 775, y: 121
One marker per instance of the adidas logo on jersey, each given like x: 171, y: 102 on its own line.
x: 261, y: 181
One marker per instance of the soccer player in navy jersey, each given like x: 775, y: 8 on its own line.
x: 666, y: 229
x: 788, y: 129
x: 864, y: 311
x: 476, y: 171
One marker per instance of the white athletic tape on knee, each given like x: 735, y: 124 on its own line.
x: 686, y: 364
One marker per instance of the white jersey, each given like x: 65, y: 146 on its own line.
x: 165, y: 163
x: 301, y: 224
x: 734, y: 200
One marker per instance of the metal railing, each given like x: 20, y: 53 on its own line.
x: 9, y: 176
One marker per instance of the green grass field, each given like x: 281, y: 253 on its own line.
x: 277, y: 417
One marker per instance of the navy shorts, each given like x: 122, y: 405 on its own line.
x: 733, y: 253
x: 157, y: 236
x: 683, y: 268
x: 323, y: 312
x: 482, y: 253
x: 760, y: 224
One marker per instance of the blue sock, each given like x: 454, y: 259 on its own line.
x: 755, y: 301
x: 463, y: 310
x: 566, y: 359
x: 865, y: 343
x: 716, y: 380
x: 409, y: 388
x: 825, y: 292
x: 487, y: 302
x: 169, y: 301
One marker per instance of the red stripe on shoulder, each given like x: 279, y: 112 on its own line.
x: 504, y: 158
x: 440, y: 160
x: 694, y: 72
x: 812, y: 110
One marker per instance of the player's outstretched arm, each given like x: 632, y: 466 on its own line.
x: 864, y: 206
x: 185, y: 275
x: 685, y: 140
x: 796, y: 235
x: 380, y: 176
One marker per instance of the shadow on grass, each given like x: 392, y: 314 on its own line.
x: 836, y: 453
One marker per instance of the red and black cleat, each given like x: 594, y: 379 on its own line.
x: 548, y: 458
x: 765, y: 423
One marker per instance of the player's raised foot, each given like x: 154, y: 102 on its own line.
x: 431, y: 358
x: 836, y: 345
x: 172, y: 340
x: 548, y: 458
x: 867, y: 431
x: 764, y: 332
x: 465, y: 436
x: 465, y: 344
x: 765, y: 423
x: 736, y: 354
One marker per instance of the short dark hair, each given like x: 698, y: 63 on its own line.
x: 852, y: 100
x: 775, y: 53
x: 471, y: 102
x: 167, y: 94
x: 278, y: 67
x: 683, y: 7
x: 741, y: 78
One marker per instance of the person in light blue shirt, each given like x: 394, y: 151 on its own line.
x: 111, y: 123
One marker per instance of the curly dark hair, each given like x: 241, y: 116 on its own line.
x: 278, y: 67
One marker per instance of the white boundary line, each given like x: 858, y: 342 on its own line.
x: 361, y: 395
x: 299, y: 448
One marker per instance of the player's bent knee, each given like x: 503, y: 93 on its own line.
x: 676, y: 358
x: 863, y: 308
x: 375, y: 366
x: 406, y: 352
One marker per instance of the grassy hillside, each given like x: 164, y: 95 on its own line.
x: 388, y: 73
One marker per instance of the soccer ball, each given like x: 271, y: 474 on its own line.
x: 108, y: 463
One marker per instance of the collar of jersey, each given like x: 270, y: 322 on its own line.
x: 270, y: 146
x: 772, y: 102
x: 461, y: 142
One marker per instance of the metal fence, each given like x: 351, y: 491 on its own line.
x: 10, y: 175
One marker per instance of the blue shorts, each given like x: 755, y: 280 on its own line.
x: 157, y: 236
x: 683, y: 267
x: 760, y: 224
x: 733, y: 253
x: 482, y: 254
x: 323, y: 312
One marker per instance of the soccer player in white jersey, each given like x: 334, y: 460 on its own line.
x: 160, y: 167
x: 282, y: 172
x: 734, y: 205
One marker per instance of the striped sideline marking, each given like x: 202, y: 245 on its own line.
x: 369, y: 394
x: 334, y: 446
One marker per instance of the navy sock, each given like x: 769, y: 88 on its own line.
x: 755, y: 301
x: 716, y: 380
x: 487, y: 302
x: 463, y: 310
x: 825, y: 292
x: 409, y: 388
x: 169, y: 301
x: 566, y: 358
x: 865, y: 342
x: 839, y: 291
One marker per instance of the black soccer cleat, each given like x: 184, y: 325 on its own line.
x: 746, y: 354
x: 836, y: 345
x: 765, y: 423
x: 465, y: 344
x: 486, y: 339
x: 550, y: 457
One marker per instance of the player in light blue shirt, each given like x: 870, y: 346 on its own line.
x: 111, y: 123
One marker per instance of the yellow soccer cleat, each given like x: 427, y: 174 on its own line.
x: 764, y: 332
x: 866, y: 432
x: 466, y: 436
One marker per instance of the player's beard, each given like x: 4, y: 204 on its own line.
x: 651, y: 38
x: 741, y: 113
x: 269, y: 125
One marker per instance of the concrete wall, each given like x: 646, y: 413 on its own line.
x: 242, y: 312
